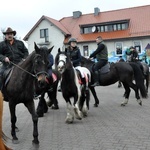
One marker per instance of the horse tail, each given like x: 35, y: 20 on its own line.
x: 139, y: 79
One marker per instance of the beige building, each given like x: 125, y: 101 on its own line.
x: 119, y: 28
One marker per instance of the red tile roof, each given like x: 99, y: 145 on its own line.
x: 139, y: 24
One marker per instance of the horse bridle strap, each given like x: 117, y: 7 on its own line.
x: 35, y: 76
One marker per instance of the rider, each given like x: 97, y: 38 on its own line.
x: 101, y: 53
x: 11, y: 50
x: 132, y: 54
x: 75, y: 56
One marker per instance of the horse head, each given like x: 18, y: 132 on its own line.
x: 62, y: 61
x: 40, y: 64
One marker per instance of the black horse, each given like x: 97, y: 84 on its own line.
x: 51, y: 90
x: 21, y: 86
x: 120, y: 71
x: 71, y: 88
x: 145, y: 69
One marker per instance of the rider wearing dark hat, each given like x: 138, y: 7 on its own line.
x: 11, y: 50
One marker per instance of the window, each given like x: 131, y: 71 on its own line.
x: 85, y: 51
x: 137, y: 45
x: 119, y: 48
x: 114, y: 27
x: 124, y: 26
x: 44, y: 34
x: 102, y: 29
x: 110, y: 27
x: 87, y: 30
x: 119, y: 26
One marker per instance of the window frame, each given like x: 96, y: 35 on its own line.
x: 116, y: 45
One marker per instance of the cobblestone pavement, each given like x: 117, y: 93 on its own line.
x: 107, y: 127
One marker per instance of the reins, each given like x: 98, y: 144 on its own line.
x: 23, y: 69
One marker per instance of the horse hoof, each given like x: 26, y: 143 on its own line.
x: 123, y: 104
x: 95, y: 105
x: 15, y: 141
x: 49, y: 104
x: 35, y: 142
x: 69, y: 120
x: 140, y: 103
x: 55, y: 107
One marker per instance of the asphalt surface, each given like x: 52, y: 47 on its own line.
x: 107, y: 127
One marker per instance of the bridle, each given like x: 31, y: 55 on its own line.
x: 62, y: 60
x: 33, y: 75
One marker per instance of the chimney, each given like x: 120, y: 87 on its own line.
x: 77, y: 14
x: 96, y: 11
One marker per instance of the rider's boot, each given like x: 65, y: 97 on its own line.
x: 96, y: 79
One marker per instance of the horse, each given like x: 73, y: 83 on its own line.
x: 146, y: 74
x: 120, y: 71
x: 51, y: 90
x: 145, y: 68
x: 2, y: 136
x: 71, y: 88
x: 21, y: 86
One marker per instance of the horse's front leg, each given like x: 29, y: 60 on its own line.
x: 31, y: 108
x: 12, y: 108
x: 126, y: 94
x: 70, y: 114
x: 77, y: 108
x: 95, y: 96
x: 42, y: 106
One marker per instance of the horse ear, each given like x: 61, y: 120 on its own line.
x: 59, y: 50
x: 50, y: 49
x: 36, y: 47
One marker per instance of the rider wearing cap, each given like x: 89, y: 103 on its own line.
x: 76, y: 57
x: 74, y: 52
x: 11, y: 50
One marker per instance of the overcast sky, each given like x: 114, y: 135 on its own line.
x: 21, y: 15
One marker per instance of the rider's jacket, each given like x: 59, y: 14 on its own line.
x: 15, y: 52
x: 101, y: 52
x: 75, y: 55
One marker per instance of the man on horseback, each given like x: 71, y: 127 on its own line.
x: 11, y: 50
x: 132, y: 54
x: 101, y: 53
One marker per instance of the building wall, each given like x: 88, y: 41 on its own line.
x: 111, y: 45
x: 56, y: 37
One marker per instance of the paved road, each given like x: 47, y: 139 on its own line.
x: 108, y: 127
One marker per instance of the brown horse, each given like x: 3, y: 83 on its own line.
x: 2, y: 144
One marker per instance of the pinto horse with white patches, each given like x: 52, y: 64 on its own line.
x: 72, y: 88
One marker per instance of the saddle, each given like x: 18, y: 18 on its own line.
x: 104, y: 69
x: 80, y: 77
